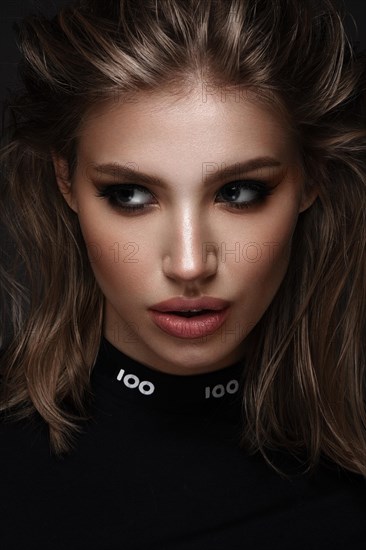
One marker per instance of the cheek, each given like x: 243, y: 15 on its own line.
x: 118, y: 253
x: 264, y: 256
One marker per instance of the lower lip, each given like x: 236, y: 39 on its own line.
x: 189, y: 327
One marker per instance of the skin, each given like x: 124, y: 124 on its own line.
x: 173, y: 138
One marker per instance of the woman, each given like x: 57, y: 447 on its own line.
x: 184, y: 185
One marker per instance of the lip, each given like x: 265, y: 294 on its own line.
x: 190, y: 327
x: 179, y: 303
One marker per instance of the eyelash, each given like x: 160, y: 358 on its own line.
x: 110, y: 192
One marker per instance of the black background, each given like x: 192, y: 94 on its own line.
x: 13, y: 10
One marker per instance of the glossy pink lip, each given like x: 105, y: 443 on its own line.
x: 190, y: 327
x: 179, y: 304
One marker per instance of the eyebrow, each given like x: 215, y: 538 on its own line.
x: 126, y: 171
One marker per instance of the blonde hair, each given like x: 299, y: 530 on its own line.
x: 304, y: 385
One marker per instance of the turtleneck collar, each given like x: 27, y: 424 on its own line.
x: 127, y: 379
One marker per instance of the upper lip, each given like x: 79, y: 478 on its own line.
x: 179, y: 304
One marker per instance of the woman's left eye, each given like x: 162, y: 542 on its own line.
x: 244, y: 193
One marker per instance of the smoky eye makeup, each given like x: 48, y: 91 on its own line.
x: 131, y: 197
x: 127, y: 197
x: 247, y: 193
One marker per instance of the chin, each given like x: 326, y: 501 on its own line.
x: 195, y: 360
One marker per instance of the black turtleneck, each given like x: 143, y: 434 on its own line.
x: 159, y: 466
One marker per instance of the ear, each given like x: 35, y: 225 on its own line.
x: 308, y: 197
x: 63, y: 180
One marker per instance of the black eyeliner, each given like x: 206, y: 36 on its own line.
x: 110, y: 192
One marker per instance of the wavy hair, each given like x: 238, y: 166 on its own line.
x: 304, y: 388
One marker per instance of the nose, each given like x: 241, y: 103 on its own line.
x: 191, y: 255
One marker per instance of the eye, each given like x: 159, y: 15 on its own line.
x: 129, y: 197
x: 126, y: 197
x: 244, y: 194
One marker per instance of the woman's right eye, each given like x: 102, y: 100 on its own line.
x: 126, y: 197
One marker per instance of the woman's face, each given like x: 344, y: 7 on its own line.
x: 188, y: 238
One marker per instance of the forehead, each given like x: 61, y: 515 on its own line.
x: 192, y: 118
